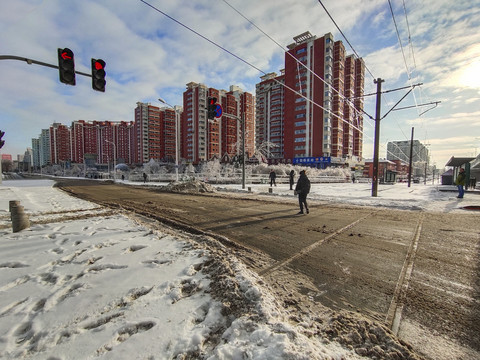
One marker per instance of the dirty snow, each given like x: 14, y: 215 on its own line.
x: 84, y: 282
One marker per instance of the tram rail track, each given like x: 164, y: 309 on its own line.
x: 399, y: 268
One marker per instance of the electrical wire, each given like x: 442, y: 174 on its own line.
x: 353, y: 49
x: 263, y: 72
x: 341, y: 32
x: 248, y: 63
x: 299, y: 63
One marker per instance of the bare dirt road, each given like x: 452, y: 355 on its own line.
x: 416, y: 273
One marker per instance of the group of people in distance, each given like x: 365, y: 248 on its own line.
x: 301, y: 189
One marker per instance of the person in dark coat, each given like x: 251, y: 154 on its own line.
x: 292, y: 177
x: 460, y: 182
x: 144, y: 178
x: 273, y: 176
x: 302, y: 189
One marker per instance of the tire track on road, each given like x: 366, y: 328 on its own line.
x: 309, y: 248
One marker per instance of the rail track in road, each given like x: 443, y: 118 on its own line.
x: 407, y: 269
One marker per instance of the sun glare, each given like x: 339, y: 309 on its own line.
x: 470, y: 76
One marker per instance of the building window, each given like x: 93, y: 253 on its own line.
x: 300, y: 123
x: 298, y: 116
x: 302, y: 50
x: 302, y: 139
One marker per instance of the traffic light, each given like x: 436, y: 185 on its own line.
x: 98, y: 75
x: 2, y: 142
x: 66, y: 66
x: 212, y: 107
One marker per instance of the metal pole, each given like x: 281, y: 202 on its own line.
x: 410, y: 160
x: 242, y: 121
x: 114, y: 157
x: 377, y: 137
x: 243, y: 149
x: 176, y: 145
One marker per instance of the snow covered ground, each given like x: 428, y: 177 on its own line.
x: 84, y: 282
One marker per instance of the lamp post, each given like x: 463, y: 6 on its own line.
x: 114, y: 157
x: 242, y: 121
x: 176, y: 136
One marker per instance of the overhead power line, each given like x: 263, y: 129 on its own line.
x: 299, y: 63
x: 249, y: 64
x: 341, y: 32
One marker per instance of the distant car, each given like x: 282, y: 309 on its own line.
x: 416, y: 181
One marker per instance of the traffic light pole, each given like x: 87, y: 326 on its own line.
x: 242, y: 121
x: 36, y: 62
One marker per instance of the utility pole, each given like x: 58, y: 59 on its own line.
x: 377, y: 125
x: 377, y: 137
x: 410, y: 163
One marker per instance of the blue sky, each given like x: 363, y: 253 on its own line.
x: 150, y: 56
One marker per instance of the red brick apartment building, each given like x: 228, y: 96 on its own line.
x: 101, y: 141
x: 315, y: 116
x: 204, y: 139
x: 154, y: 133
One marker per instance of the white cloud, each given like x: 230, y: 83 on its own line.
x: 148, y: 55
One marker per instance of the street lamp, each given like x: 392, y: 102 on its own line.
x: 242, y: 122
x: 176, y: 136
x: 114, y: 157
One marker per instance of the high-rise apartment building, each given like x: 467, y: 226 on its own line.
x: 269, y: 121
x: 400, y: 150
x: 204, y: 139
x: 36, y: 153
x: 155, y: 132
x: 103, y: 141
x: 322, y: 102
x: 60, y: 150
x: 100, y: 142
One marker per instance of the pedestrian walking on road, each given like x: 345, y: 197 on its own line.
x: 144, y: 178
x: 292, y: 177
x: 273, y: 176
x: 302, y: 189
x: 460, y: 182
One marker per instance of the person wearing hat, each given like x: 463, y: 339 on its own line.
x: 302, y: 189
x: 460, y: 182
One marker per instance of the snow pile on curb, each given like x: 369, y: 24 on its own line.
x: 191, y: 187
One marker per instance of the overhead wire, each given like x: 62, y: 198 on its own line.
x: 355, y: 52
x: 244, y: 61
x: 260, y: 70
x: 419, y: 113
x: 299, y: 63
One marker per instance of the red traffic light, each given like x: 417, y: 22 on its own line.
x: 66, y: 66
x: 99, y: 64
x: 2, y: 142
x: 66, y: 54
x: 98, y: 75
x: 211, y: 107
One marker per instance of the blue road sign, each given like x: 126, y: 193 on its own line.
x: 218, y: 111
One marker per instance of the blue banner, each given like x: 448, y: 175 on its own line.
x: 313, y: 160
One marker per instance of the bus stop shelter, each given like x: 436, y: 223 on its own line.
x: 460, y: 162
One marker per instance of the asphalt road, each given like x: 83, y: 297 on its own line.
x: 392, y: 266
